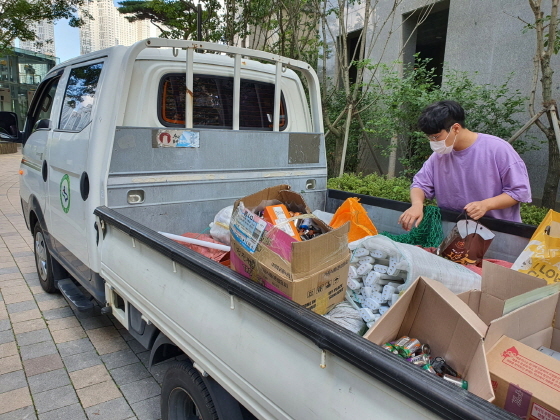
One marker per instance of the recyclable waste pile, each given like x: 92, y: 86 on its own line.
x: 380, y: 269
x: 420, y: 355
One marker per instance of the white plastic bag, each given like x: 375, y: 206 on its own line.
x: 415, y: 262
x: 219, y: 228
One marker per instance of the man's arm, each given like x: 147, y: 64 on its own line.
x: 477, y: 209
x: 413, y: 216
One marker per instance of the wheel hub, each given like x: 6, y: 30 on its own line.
x: 41, y: 255
x: 181, y: 406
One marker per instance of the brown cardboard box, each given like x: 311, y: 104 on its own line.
x: 312, y: 273
x: 498, y: 284
x: 526, y: 381
x: 534, y: 325
x: 430, y: 312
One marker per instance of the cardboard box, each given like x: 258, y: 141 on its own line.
x: 526, y: 381
x: 498, y: 285
x: 312, y: 273
x: 534, y: 325
x: 431, y: 313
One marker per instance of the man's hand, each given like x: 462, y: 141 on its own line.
x: 476, y: 209
x: 412, y: 217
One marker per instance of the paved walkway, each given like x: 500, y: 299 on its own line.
x: 52, y: 364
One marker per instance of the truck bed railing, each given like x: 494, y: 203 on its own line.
x: 281, y: 63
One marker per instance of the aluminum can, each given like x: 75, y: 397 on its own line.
x: 420, y: 360
x: 429, y: 368
x: 457, y: 381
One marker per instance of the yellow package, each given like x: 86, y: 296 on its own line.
x: 360, y: 223
x: 541, y: 256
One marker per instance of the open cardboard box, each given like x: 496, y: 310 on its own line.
x: 430, y: 312
x: 498, y: 285
x: 312, y: 273
x: 527, y: 381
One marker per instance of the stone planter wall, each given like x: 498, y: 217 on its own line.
x: 7, y: 147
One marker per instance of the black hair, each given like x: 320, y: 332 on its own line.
x: 441, y: 116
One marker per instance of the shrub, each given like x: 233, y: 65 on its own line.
x: 398, y: 189
x: 489, y: 109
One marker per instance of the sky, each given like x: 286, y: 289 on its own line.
x: 67, y: 40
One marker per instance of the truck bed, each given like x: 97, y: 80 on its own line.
x: 266, y: 350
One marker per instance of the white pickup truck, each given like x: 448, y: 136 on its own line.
x: 122, y: 143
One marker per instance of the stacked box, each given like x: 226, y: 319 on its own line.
x: 312, y: 273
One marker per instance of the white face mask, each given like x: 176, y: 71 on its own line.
x: 440, y: 147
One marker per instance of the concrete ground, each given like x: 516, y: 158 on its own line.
x: 54, y: 365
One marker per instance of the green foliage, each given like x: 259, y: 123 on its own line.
x: 533, y: 215
x: 17, y: 18
x: 489, y: 109
x: 177, y: 19
x: 334, y: 105
x: 545, y: 22
x: 374, y: 185
x: 399, y: 189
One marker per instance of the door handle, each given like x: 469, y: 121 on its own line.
x: 44, y: 170
x: 84, y: 186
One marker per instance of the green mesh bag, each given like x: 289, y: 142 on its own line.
x: 428, y: 233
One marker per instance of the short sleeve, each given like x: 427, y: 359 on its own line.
x: 424, y: 179
x: 515, y: 182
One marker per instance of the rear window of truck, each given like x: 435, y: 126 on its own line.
x: 213, y: 103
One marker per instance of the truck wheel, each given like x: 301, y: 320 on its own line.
x: 184, y: 395
x: 43, y: 260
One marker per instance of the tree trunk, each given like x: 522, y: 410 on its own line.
x: 553, y: 175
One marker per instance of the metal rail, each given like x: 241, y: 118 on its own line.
x: 280, y: 62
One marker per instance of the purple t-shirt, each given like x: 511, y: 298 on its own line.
x: 487, y: 168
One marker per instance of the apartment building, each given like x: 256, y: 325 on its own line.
x: 44, y: 42
x: 109, y: 28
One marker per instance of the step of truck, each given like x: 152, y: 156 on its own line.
x: 75, y: 298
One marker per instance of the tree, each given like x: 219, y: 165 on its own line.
x: 375, y: 36
x: 17, y: 18
x: 176, y: 19
x: 547, y: 44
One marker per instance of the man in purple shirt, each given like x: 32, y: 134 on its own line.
x: 478, y: 173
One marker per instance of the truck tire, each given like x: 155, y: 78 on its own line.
x: 184, y: 395
x: 43, y: 260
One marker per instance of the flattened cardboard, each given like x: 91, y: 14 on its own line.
x: 498, y: 284
x: 315, y: 272
x: 430, y: 312
x: 526, y: 381
x: 535, y: 325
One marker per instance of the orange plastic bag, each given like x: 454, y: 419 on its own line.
x: 360, y: 223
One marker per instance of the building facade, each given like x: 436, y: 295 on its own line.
x: 20, y: 73
x: 44, y: 42
x: 482, y: 37
x: 109, y: 28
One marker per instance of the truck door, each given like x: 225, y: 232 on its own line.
x: 68, y: 181
x: 38, y: 130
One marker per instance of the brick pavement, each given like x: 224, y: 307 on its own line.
x: 54, y: 365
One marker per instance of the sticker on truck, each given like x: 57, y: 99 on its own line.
x: 175, y: 138
x: 65, y: 193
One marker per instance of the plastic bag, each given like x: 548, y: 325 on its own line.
x: 219, y: 228
x: 541, y: 256
x: 414, y: 262
x: 360, y: 223
x: 213, y: 254
x: 467, y: 243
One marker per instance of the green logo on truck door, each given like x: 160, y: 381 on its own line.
x: 65, y: 193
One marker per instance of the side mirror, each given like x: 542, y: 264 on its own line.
x: 9, y: 130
